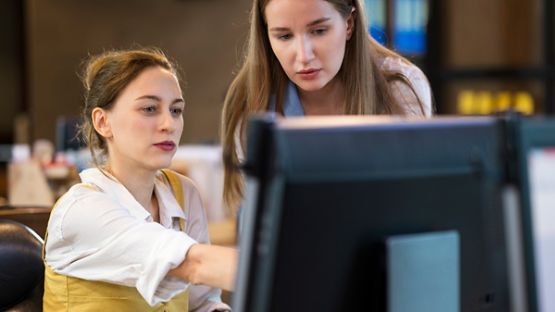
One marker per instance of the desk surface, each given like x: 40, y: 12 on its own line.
x: 6, y: 212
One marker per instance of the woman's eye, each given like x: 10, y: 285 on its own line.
x: 149, y: 109
x: 176, y: 111
x: 285, y: 37
x: 319, y: 31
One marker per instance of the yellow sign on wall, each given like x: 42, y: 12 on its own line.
x: 485, y: 102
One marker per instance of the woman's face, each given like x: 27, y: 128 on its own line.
x: 145, y: 124
x: 308, y: 38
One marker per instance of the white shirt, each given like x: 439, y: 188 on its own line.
x: 98, y: 231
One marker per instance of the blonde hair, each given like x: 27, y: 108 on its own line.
x: 104, y: 77
x: 261, y: 76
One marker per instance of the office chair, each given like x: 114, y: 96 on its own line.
x: 21, y: 268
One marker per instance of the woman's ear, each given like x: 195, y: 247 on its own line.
x: 351, y: 23
x: 101, y: 123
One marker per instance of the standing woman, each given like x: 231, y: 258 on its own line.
x: 314, y: 57
x: 133, y: 236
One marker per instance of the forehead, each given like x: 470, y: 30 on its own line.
x: 287, y: 13
x: 152, y: 79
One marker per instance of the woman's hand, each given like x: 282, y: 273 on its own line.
x: 209, y: 265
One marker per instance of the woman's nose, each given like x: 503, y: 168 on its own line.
x: 305, y: 50
x: 168, y: 122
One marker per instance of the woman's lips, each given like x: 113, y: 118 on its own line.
x: 166, y: 146
x: 308, y: 74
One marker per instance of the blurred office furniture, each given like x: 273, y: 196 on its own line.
x: 376, y: 14
x: 493, y: 48
x: 203, y: 164
x: 35, y: 218
x: 27, y: 185
x: 21, y: 268
x: 502, y: 52
x: 5, y: 156
x: 5, y: 153
x: 13, y: 74
x: 400, y: 25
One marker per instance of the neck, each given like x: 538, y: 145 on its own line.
x: 140, y: 183
x: 330, y: 100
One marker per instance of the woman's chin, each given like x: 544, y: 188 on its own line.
x: 310, y: 86
x: 154, y: 166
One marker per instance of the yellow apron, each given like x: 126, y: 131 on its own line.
x: 64, y: 293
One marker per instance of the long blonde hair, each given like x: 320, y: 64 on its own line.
x: 261, y: 76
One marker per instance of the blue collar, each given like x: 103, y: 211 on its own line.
x: 292, y: 106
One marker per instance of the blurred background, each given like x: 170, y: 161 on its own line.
x: 481, y: 57
x: 45, y: 42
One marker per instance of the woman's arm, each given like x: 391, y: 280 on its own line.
x: 208, y: 265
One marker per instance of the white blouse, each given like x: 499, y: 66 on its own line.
x: 98, y: 231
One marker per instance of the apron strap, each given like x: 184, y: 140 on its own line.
x: 177, y: 190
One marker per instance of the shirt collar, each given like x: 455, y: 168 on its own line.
x: 168, y: 206
x: 292, y: 106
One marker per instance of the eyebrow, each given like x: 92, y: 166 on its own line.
x: 315, y: 22
x: 156, y: 98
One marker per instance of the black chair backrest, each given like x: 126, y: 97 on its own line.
x: 21, y: 268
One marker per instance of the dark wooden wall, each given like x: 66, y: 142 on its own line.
x: 205, y: 37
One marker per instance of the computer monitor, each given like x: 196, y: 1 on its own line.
x: 327, y: 200
x: 535, y: 146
